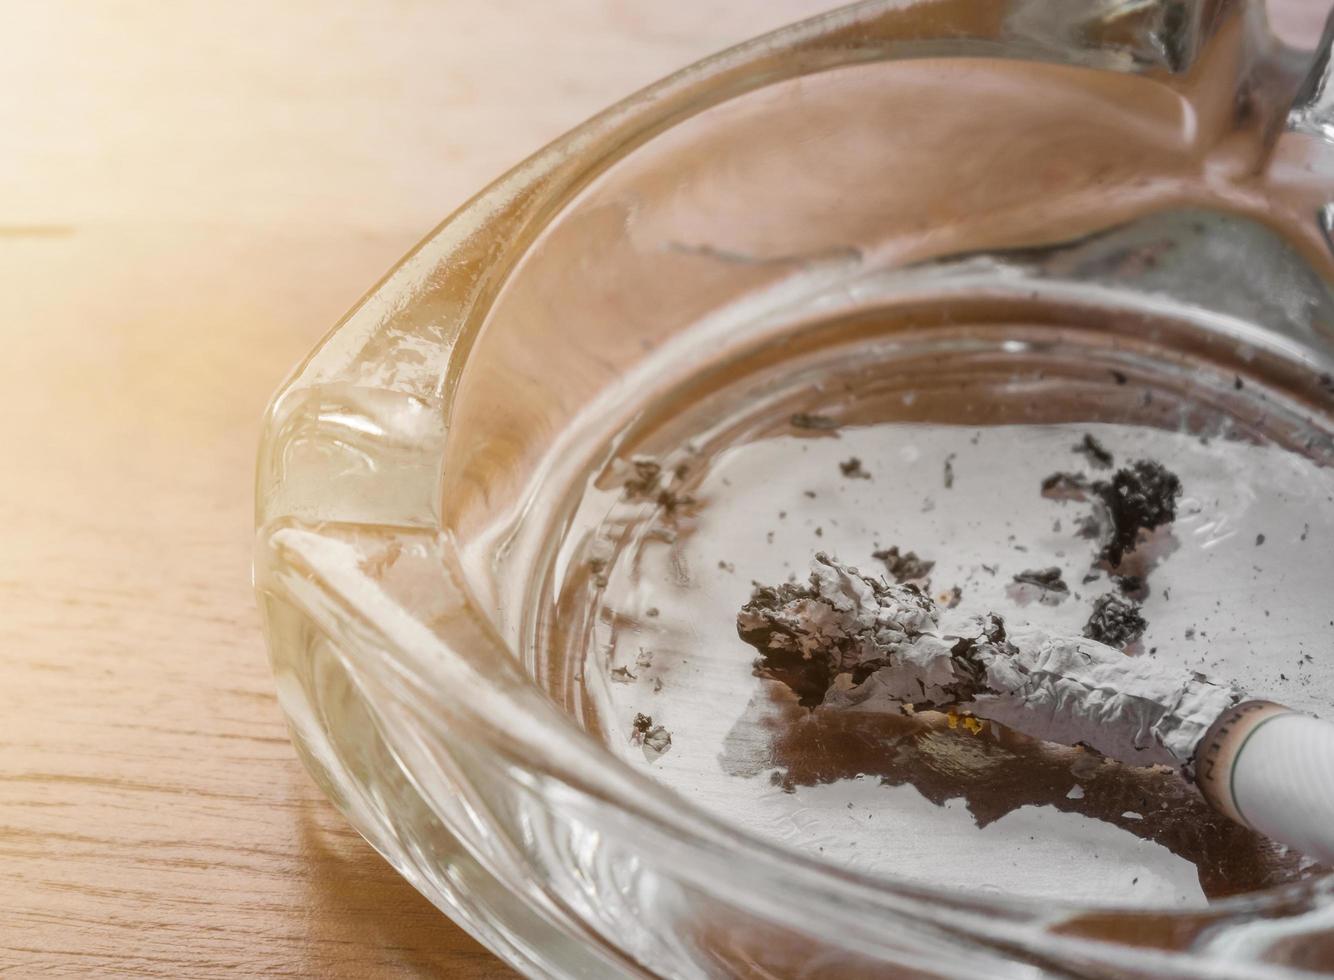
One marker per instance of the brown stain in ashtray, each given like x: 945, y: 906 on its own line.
x: 995, y: 773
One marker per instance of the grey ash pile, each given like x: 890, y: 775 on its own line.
x: 838, y: 622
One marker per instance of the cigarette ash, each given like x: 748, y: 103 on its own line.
x: 843, y: 639
x: 853, y: 470
x: 1138, y: 498
x: 1115, y: 622
x: 655, y: 739
x: 1048, y: 583
x: 1097, y: 454
x: 839, y: 623
x: 649, y: 481
x: 905, y: 566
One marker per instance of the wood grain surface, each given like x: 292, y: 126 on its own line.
x: 191, y: 193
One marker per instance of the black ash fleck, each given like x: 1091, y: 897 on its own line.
x: 1139, y: 497
x: 904, y: 566
x: 1048, y: 579
x: 1065, y: 486
x: 1133, y: 586
x: 813, y: 422
x: 1095, y: 452
x: 852, y: 469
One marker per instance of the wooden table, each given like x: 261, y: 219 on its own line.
x: 190, y: 195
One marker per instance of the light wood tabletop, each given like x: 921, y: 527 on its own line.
x: 191, y: 193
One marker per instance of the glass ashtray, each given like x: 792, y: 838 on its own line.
x: 878, y: 285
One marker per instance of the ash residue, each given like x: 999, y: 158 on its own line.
x: 852, y: 469
x: 1139, y: 497
x: 1047, y: 579
x: 784, y: 653
x: 1115, y: 622
x: 643, y: 483
x: 874, y: 645
x: 597, y: 567
x: 1066, y: 486
x: 1096, y: 453
x: 811, y: 421
x: 904, y: 566
x: 1132, y: 586
x: 654, y: 738
x: 671, y: 500
x: 649, y: 482
x: 838, y: 622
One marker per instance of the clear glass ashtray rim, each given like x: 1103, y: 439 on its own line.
x: 346, y: 354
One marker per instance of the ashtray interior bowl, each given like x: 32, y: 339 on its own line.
x: 856, y: 286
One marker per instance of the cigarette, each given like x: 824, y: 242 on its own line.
x: 1272, y: 769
